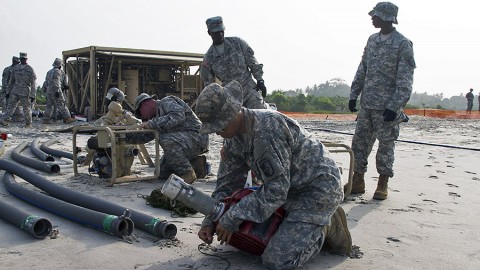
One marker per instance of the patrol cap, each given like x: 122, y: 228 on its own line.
x: 217, y: 106
x: 215, y: 24
x: 58, y: 62
x: 386, y: 11
x: 141, y: 98
x: 16, y: 59
x: 23, y: 55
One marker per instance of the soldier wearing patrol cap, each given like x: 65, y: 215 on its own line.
x: 21, y: 89
x: 180, y: 139
x: 297, y: 172
x: 231, y: 58
x: 7, y: 72
x: 55, y: 84
x: 384, y: 81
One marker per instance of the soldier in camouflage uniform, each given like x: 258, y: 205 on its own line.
x: 297, y: 171
x: 7, y: 72
x: 21, y: 89
x: 384, y: 79
x: 55, y: 83
x: 180, y: 138
x: 230, y: 58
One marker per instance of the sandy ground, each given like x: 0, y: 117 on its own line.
x: 429, y: 221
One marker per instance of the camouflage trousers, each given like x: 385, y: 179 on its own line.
x: 179, y: 148
x: 13, y: 102
x: 57, y: 104
x: 371, y: 127
x: 293, y: 245
x: 3, y: 102
x: 253, y: 100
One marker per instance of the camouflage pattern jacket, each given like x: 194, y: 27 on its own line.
x: 237, y: 62
x: 384, y: 77
x: 296, y: 169
x: 22, y: 81
x: 7, y: 72
x: 55, y: 80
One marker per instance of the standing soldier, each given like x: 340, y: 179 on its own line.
x: 7, y: 72
x: 470, y: 98
x: 231, y: 58
x: 21, y: 89
x: 384, y: 79
x: 55, y: 83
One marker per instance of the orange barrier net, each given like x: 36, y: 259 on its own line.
x: 433, y: 113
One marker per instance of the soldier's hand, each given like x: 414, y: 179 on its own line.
x: 223, y: 235
x: 206, y: 234
x: 261, y: 87
x: 57, y: 94
x: 389, y: 115
x: 352, y: 104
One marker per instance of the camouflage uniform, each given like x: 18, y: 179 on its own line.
x: 298, y: 175
x: 55, y: 81
x: 21, y: 88
x: 7, y: 72
x: 180, y: 139
x: 470, y: 97
x: 237, y: 62
x: 384, y: 79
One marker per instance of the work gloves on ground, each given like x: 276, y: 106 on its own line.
x: 352, y: 104
x: 261, y: 87
x: 389, y: 115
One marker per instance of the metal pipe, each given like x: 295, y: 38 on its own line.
x: 54, y: 152
x: 48, y: 167
x: 150, y: 224
x: 39, y: 153
x: 116, y: 225
x: 39, y: 227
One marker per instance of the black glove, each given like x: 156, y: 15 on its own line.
x: 352, y: 104
x: 389, y: 115
x: 65, y: 87
x: 57, y: 94
x: 261, y: 86
x: 7, y: 96
x: 32, y: 99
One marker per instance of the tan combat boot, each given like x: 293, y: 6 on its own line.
x: 69, y: 120
x: 358, y: 183
x: 381, y: 193
x: 46, y: 121
x: 27, y: 125
x: 189, y: 177
x: 199, y: 165
x: 337, y: 236
x: 4, y: 123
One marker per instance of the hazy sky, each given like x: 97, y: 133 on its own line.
x: 300, y: 43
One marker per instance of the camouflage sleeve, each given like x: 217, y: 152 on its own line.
x: 33, y: 85
x: 173, y: 115
x: 64, y: 82
x: 272, y: 158
x: 206, y: 72
x: 11, y: 82
x: 251, y: 61
x: 359, y: 79
x: 405, y: 68
x: 4, y: 79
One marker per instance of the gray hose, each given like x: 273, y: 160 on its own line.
x: 155, y: 226
x: 54, y: 152
x: 116, y: 225
x: 48, y: 167
x: 37, y: 226
x: 39, y: 153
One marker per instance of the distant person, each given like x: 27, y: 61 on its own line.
x: 21, y: 89
x: 180, y: 138
x: 479, y: 101
x: 55, y: 83
x: 470, y: 98
x: 384, y: 80
x: 231, y: 58
x: 7, y: 72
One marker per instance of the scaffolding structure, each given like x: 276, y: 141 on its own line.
x: 93, y: 70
